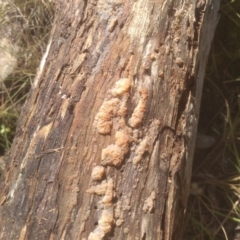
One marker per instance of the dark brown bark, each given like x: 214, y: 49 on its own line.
x: 120, y: 88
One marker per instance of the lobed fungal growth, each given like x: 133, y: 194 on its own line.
x: 97, y: 173
x: 99, y: 189
x: 103, y: 119
x: 138, y: 113
x: 115, y: 106
x: 122, y: 111
x: 118, y: 213
x: 123, y: 139
x: 149, y: 202
x: 114, y: 153
x: 126, y: 203
x: 121, y: 86
x: 111, y: 107
x: 140, y: 151
x: 106, y: 220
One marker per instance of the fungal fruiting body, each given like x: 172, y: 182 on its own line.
x: 122, y: 112
x: 123, y: 140
x: 118, y: 213
x: 97, y: 173
x: 149, y: 202
x: 112, y: 155
x: 115, y: 106
x: 110, y: 108
x: 118, y: 208
x: 121, y: 86
x: 107, y: 199
x: 104, y: 117
x: 140, y: 151
x: 99, y: 189
x: 104, y: 225
x: 138, y: 113
x: 126, y: 203
x: 107, y: 219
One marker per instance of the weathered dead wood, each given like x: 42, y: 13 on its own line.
x: 120, y: 88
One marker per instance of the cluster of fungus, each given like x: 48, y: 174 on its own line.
x: 149, y: 202
x: 138, y: 113
x: 114, y: 153
x: 106, y: 220
x: 104, y: 117
x: 115, y: 106
x: 140, y: 151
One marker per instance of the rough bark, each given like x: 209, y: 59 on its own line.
x: 119, y: 87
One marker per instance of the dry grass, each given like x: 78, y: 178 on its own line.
x: 213, y: 211
x: 27, y: 24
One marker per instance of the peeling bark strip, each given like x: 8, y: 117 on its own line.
x: 104, y: 144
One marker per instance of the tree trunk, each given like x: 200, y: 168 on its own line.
x: 105, y: 142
